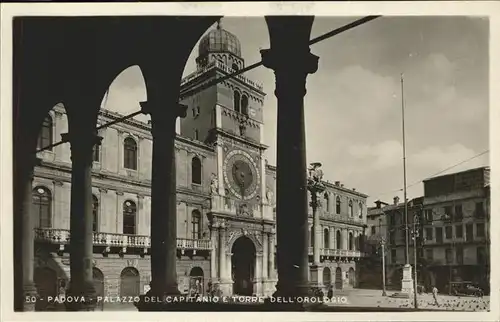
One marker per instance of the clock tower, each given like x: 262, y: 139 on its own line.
x: 229, y: 116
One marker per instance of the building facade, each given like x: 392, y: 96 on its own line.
x: 225, y: 194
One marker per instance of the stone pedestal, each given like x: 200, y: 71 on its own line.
x: 316, y: 276
x: 407, y: 281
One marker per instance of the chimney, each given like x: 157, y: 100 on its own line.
x: 342, y: 185
x: 378, y: 204
x: 396, y: 200
x: 337, y: 183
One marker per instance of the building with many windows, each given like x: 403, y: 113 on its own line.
x: 225, y: 194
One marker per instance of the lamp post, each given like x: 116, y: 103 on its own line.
x: 315, y: 186
x: 382, y: 246
x: 415, y: 234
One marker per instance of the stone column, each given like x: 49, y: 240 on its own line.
x: 257, y: 279
x: 265, y: 252
x: 291, y: 60
x: 213, y: 254
x: 28, y: 242
x: 270, y: 258
x: 81, y: 233
x: 163, y: 197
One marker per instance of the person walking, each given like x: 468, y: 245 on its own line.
x: 434, y: 295
x: 330, y: 292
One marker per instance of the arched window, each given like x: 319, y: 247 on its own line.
x: 327, y: 201
x: 338, y: 240
x: 326, y: 238
x: 351, y: 211
x: 236, y: 100
x: 130, y: 154
x: 196, y: 170
x: 351, y: 241
x: 130, y: 282
x: 95, y: 214
x: 42, y: 207
x: 129, y: 212
x: 196, y: 135
x: 311, y: 236
x: 337, y: 210
x: 45, y: 137
x: 95, y: 153
x: 196, y: 224
x: 360, y: 210
x: 244, y: 104
x: 235, y: 67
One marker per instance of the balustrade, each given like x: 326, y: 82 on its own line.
x: 338, y: 252
x: 62, y: 236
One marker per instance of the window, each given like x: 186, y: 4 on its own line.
x: 244, y: 104
x: 449, y: 256
x: 95, y: 153
x: 351, y: 211
x: 130, y: 154
x: 196, y: 134
x: 129, y: 212
x: 234, y: 67
x: 196, y: 170
x: 428, y: 215
x: 45, y: 137
x: 448, y: 231
x: 428, y: 234
x: 459, y: 214
x: 338, y: 240
x: 196, y: 224
x: 327, y: 201
x: 236, y: 101
x: 447, y: 212
x: 373, y: 230
x: 468, y: 232
x: 459, y: 231
x: 459, y: 254
x: 42, y: 207
x: 392, y: 238
x: 360, y: 210
x: 311, y: 236
x: 480, y: 230
x: 393, y: 256
x: 479, y: 210
x: 338, y: 205
x: 95, y: 213
x: 429, y: 254
x: 439, y: 235
x: 351, y: 241
x: 326, y: 238
x: 481, y: 255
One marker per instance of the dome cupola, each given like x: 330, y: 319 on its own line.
x: 219, y: 40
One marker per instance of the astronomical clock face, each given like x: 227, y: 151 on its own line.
x: 241, y: 175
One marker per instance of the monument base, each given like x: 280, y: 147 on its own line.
x: 407, y: 281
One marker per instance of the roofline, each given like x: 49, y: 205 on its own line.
x: 455, y: 173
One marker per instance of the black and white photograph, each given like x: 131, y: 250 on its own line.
x: 226, y: 158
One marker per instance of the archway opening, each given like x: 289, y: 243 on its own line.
x: 130, y: 282
x: 196, y: 281
x: 352, y: 277
x: 98, y: 280
x: 243, y: 266
x: 338, y: 278
x: 327, y: 276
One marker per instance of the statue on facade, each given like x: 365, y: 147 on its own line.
x: 214, y: 184
x: 315, y: 173
x: 269, y: 196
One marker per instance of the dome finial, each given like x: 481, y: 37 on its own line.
x: 219, y: 23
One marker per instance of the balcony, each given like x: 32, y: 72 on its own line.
x: 330, y: 252
x: 61, y: 237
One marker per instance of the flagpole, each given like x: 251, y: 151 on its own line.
x: 404, y: 172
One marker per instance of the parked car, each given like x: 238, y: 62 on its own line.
x: 466, y: 288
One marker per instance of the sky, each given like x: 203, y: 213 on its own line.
x: 353, y: 102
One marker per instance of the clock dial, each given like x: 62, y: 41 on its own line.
x: 241, y: 175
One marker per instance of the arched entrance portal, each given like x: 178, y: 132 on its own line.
x: 98, y: 279
x: 327, y: 276
x: 243, y: 264
x: 338, y: 278
x: 352, y: 277
x: 196, y: 281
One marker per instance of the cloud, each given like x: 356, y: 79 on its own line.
x: 380, y: 156
x: 439, y: 158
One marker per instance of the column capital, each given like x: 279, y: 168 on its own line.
x: 82, y: 145
x: 179, y: 110
x: 296, y: 63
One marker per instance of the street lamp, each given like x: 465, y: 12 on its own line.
x: 415, y: 234
x: 315, y: 186
x: 382, y: 246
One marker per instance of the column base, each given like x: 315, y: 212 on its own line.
x: 407, y: 281
x: 317, y: 277
x: 81, y: 297
x: 30, y: 297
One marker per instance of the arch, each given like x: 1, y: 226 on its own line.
x: 327, y: 276
x: 243, y: 265
x: 338, y: 278
x: 337, y: 205
x: 129, y: 217
x: 244, y: 104
x: 351, y: 210
x: 235, y: 67
x: 326, y: 238
x: 196, y: 170
x: 42, y: 207
x: 98, y: 280
x: 45, y: 280
x: 196, y: 224
x: 338, y: 239
x: 351, y: 241
x: 46, y: 134
x: 352, y: 277
x: 130, y: 282
x: 95, y: 214
x: 236, y: 101
x: 130, y: 153
x: 326, y: 196
x: 196, y: 281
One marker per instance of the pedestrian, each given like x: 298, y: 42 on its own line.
x: 434, y: 295
x: 330, y: 292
